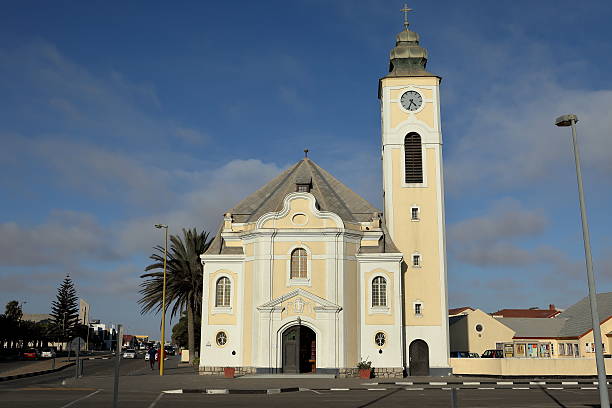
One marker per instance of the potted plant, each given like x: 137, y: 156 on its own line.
x: 365, y: 369
x: 228, y: 372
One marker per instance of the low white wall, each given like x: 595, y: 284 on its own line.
x: 527, y: 366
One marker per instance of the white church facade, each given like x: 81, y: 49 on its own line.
x: 304, y: 275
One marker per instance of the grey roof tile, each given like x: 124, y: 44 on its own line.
x: 579, y: 315
x: 533, y: 326
x: 331, y: 195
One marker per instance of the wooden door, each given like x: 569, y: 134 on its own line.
x: 291, y: 340
x: 418, y: 353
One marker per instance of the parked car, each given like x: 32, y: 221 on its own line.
x: 493, y: 354
x: 30, y: 354
x: 130, y: 353
x: 459, y: 354
x: 48, y: 353
x: 474, y: 355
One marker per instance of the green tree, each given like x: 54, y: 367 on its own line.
x: 13, y: 311
x: 180, y: 335
x: 65, y: 310
x: 183, y: 279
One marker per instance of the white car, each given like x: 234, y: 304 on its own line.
x: 47, y: 353
x: 129, y: 353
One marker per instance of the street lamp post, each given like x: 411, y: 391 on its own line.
x: 564, y: 121
x: 162, y: 351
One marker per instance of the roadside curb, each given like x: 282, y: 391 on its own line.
x: 469, y: 383
x: 35, y: 373
x: 408, y: 386
x: 232, y: 391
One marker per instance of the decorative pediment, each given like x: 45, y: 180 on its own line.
x: 322, y: 305
x: 336, y: 221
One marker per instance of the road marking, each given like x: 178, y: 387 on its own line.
x: 447, y: 388
x: 212, y: 391
x: 377, y: 389
x: 370, y: 383
x: 520, y: 388
x: 80, y: 399
x: 414, y: 389
x: 173, y: 391
x: 156, y: 399
x: 339, y: 389
x: 554, y: 388
x: 404, y: 383
x: 569, y: 382
x: 486, y: 388
x: 471, y: 383
x: 537, y: 382
x: 505, y: 383
x: 588, y: 388
x: 438, y: 383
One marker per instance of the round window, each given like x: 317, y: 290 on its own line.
x: 380, y: 339
x: 479, y: 327
x: 221, y: 338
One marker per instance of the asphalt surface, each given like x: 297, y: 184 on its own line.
x: 141, y: 388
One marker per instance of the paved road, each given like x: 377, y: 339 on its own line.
x: 141, y: 388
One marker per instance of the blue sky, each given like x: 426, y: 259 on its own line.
x: 115, y: 116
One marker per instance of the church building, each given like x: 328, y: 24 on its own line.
x: 305, y: 275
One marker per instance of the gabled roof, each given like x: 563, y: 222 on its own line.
x: 527, y: 313
x: 331, y: 195
x: 579, y: 315
x: 459, y: 310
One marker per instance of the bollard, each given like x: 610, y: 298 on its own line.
x: 454, y: 398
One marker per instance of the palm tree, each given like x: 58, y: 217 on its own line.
x: 183, y: 279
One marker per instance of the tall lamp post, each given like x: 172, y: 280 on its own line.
x: 162, y: 351
x: 564, y: 121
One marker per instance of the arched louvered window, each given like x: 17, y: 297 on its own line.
x: 413, y: 159
x: 223, y: 291
x: 379, y: 291
x: 299, y: 263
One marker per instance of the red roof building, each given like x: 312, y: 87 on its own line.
x: 533, y: 312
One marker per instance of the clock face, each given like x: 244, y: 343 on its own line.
x: 411, y: 100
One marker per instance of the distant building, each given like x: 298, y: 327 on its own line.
x: 84, y: 312
x: 36, y: 317
x: 545, y: 333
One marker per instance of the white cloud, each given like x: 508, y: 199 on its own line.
x: 65, y: 238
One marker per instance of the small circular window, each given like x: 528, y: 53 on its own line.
x: 479, y: 327
x: 380, y: 339
x: 221, y: 338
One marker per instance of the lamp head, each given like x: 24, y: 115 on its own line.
x: 161, y: 226
x: 566, y: 120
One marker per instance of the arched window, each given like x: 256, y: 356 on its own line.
x: 379, y: 291
x: 299, y: 264
x: 413, y: 158
x: 222, y: 298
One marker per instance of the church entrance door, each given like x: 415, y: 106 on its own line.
x: 299, y: 350
x: 419, y: 358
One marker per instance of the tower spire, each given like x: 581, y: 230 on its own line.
x: 405, y: 10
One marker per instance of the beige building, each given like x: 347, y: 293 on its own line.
x: 568, y: 334
x: 305, y: 275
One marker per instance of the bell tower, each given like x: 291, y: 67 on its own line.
x: 414, y: 197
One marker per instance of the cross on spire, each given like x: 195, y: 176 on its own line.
x: 405, y: 10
